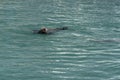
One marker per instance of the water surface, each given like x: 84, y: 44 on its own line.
x: 89, y: 50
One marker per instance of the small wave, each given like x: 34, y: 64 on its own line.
x: 76, y: 34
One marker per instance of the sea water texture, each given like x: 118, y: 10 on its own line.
x: 88, y: 50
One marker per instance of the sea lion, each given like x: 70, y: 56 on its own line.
x: 45, y: 30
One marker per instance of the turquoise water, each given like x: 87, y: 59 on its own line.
x: 89, y: 50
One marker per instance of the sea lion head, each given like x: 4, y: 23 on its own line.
x: 44, y: 30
